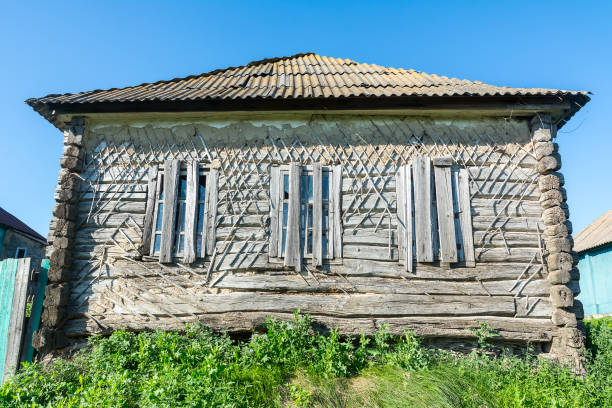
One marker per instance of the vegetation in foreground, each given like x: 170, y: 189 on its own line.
x: 291, y: 366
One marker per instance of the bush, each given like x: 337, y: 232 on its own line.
x: 291, y: 365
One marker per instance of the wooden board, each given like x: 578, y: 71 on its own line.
x: 191, y: 209
x: 293, y: 251
x: 400, y: 185
x: 421, y: 167
x: 17, y: 319
x: 171, y: 179
x: 36, y: 312
x: 212, y: 183
x: 150, y: 210
x: 275, y: 190
x: 336, y: 202
x: 317, y: 215
x: 465, y: 216
x: 446, y: 214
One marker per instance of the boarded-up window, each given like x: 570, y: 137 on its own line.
x: 181, y: 211
x: 434, y: 214
x: 305, y: 213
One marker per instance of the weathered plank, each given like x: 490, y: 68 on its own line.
x: 293, y: 252
x: 465, y: 216
x: 317, y: 214
x: 421, y: 167
x: 17, y: 319
x: 171, y: 180
x: 150, y: 210
x: 400, y: 185
x: 275, y: 192
x: 191, y: 208
x: 337, y: 203
x: 212, y: 182
x: 446, y: 214
x: 370, y: 252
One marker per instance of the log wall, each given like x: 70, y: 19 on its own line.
x: 112, y: 286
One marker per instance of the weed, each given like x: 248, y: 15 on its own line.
x: 292, y: 365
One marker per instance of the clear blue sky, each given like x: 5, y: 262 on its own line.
x: 56, y: 47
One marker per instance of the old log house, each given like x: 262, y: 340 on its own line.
x: 360, y: 194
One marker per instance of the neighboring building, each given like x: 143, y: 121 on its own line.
x: 17, y: 240
x: 359, y: 194
x: 594, y: 247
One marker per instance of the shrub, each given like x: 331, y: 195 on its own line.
x: 292, y: 365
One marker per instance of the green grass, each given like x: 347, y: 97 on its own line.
x: 291, y: 366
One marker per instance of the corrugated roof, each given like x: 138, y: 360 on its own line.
x: 298, y: 76
x: 596, y: 234
x: 9, y: 220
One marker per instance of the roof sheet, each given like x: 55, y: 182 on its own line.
x: 9, y: 220
x: 298, y: 76
x: 596, y: 234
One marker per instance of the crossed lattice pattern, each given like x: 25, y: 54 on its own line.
x: 370, y: 154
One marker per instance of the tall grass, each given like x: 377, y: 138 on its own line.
x: 292, y: 366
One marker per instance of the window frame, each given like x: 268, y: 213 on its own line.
x: 25, y: 252
x: 182, y: 219
x: 279, y: 214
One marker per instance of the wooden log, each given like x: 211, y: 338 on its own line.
x: 283, y: 282
x: 359, y: 267
x: 507, y: 328
x: 355, y: 305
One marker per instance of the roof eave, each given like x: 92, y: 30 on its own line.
x: 565, y: 106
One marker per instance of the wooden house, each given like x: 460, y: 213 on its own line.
x: 594, y: 248
x: 360, y: 194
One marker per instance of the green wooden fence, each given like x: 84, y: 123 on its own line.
x: 15, y: 330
